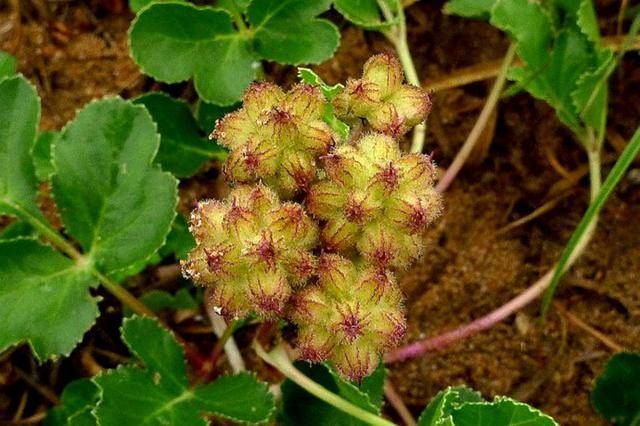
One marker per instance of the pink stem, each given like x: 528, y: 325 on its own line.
x: 414, y: 350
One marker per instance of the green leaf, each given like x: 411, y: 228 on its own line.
x: 159, y: 394
x: 478, y: 9
x: 501, y: 412
x: 591, y: 215
x: 158, y: 300
x: 77, y: 401
x: 173, y: 42
x: 288, y: 31
x: 373, y: 386
x: 44, y: 299
x: 183, y: 150
x: 617, y: 393
x: 19, y: 116
x: 111, y: 198
x: 308, y: 76
x: 363, y: 13
x: 18, y: 229
x: 179, y: 241
x: 207, y: 114
x: 8, y: 65
x: 438, y: 412
x: 329, y: 92
x: 297, y: 403
x: 588, y: 22
x: 42, y: 155
x: 137, y: 5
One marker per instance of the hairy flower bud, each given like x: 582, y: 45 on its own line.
x: 375, y: 200
x: 276, y: 137
x: 380, y: 97
x: 350, y: 318
x: 251, y: 249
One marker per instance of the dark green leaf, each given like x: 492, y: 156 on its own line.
x: 159, y: 394
x: 179, y: 241
x: 8, y: 65
x: 42, y: 155
x: 111, y: 198
x: 18, y: 229
x: 501, y: 412
x: 207, y: 114
x: 438, y: 412
x: 297, y: 403
x: 373, y: 386
x: 182, y: 147
x: 364, y: 13
x: 591, y: 215
x: 479, y: 9
x: 44, y: 298
x: 158, y: 300
x: 288, y: 31
x: 77, y: 401
x: 173, y: 42
x: 617, y: 393
x: 19, y: 116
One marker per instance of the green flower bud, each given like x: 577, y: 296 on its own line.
x: 375, y: 200
x: 350, y: 318
x: 276, y: 137
x: 380, y: 97
x: 252, y: 250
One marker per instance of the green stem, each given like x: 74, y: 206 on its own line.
x: 279, y: 359
x: 123, y: 295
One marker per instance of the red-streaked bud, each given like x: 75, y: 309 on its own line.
x: 380, y: 97
x: 350, y: 317
x: 377, y: 201
x: 276, y: 137
x: 251, y: 249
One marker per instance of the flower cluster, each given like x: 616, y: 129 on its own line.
x: 325, y: 260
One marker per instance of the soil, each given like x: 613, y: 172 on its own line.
x: 75, y: 52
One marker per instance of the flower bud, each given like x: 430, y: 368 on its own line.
x: 276, y: 137
x: 251, y: 249
x: 350, y: 317
x: 380, y: 97
x: 375, y: 200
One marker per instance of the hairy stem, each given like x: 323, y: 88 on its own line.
x: 279, y: 359
x: 478, y: 127
x: 123, y: 295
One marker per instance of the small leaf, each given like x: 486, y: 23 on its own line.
x: 373, y: 386
x: 478, y: 9
x: 288, y: 31
x: 591, y: 215
x: 8, y: 65
x: 207, y: 114
x: 501, y: 412
x: 297, y: 403
x: 363, y: 13
x: 19, y: 116
x: 308, y: 76
x: 183, y: 150
x: 160, y: 394
x: 438, y: 412
x: 44, y: 299
x: 179, y: 241
x: 42, y: 155
x: 111, y: 198
x: 201, y: 42
x: 77, y: 401
x: 368, y: 394
x: 617, y: 393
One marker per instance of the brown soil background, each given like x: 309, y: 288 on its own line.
x: 76, y: 51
